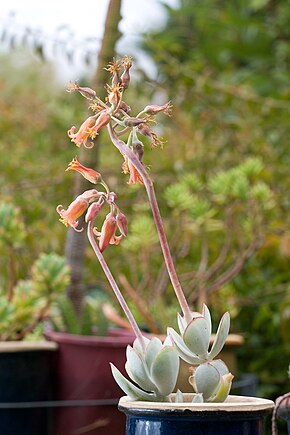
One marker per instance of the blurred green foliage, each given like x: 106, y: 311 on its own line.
x: 225, y: 66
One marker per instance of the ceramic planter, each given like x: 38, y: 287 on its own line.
x: 26, y: 370
x: 83, y: 373
x: 237, y: 416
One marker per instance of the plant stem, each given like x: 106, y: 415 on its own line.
x: 114, y: 286
x: 126, y: 151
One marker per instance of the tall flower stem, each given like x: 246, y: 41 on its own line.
x: 114, y: 285
x: 126, y: 151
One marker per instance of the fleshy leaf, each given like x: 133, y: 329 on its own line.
x: 178, y: 397
x: 183, y: 350
x: 207, y: 380
x: 198, y: 398
x: 224, y: 388
x: 137, y: 346
x: 164, y: 370
x: 137, y: 371
x: 220, y: 366
x: 181, y: 323
x: 207, y: 316
x: 221, y: 336
x: 130, y: 389
x: 197, y: 336
x: 152, y: 349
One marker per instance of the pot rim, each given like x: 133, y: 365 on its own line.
x: 27, y: 346
x: 231, y: 404
x: 115, y: 338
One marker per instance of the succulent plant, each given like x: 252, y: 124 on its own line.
x: 211, y: 378
x: 155, y: 370
x: 152, y: 366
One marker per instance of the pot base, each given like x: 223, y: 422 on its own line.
x: 237, y: 416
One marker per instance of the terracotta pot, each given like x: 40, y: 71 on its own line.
x: 238, y: 415
x: 83, y: 373
x: 26, y: 370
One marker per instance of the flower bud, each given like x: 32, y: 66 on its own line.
x: 122, y: 223
x: 88, y: 93
x: 93, y: 211
x: 123, y: 106
x: 133, y: 122
x: 125, y: 77
x: 154, y: 109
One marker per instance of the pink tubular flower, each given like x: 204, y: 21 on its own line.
x: 102, y: 120
x: 122, y: 223
x: 91, y: 175
x: 73, y: 212
x: 85, y: 131
x: 77, y: 208
x: 93, y: 211
x: 135, y: 177
x: 108, y: 233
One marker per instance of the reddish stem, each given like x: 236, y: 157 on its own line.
x: 126, y: 151
x: 114, y: 286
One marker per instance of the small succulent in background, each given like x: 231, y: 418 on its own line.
x: 25, y: 303
x: 92, y: 321
x: 155, y: 370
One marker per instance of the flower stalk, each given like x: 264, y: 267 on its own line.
x: 126, y: 151
x: 114, y: 285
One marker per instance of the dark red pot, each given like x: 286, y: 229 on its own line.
x: 83, y: 373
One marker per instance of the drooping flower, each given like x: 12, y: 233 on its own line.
x: 146, y: 131
x: 73, y: 212
x: 122, y: 223
x: 85, y: 131
x: 89, y: 128
x: 128, y: 167
x: 88, y: 173
x: 77, y: 208
x: 102, y: 120
x: 108, y: 233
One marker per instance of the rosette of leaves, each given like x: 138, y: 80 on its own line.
x: 154, y: 370
x: 211, y: 378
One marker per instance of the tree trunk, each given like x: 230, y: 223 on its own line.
x: 76, y: 242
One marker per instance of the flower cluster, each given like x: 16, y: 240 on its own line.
x: 115, y: 112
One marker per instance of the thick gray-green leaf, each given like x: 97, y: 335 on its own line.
x: 220, y: 366
x: 137, y: 345
x: 207, y: 380
x: 152, y: 349
x: 197, y: 336
x: 164, y: 369
x: 130, y: 389
x: 178, y: 397
x: 207, y: 316
x: 198, y: 398
x: 221, y: 336
x: 181, y: 323
x: 137, y: 371
x: 183, y: 350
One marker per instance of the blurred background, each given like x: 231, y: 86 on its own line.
x: 222, y: 176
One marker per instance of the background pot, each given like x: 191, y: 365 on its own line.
x: 83, y: 373
x: 239, y: 415
x: 26, y: 370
